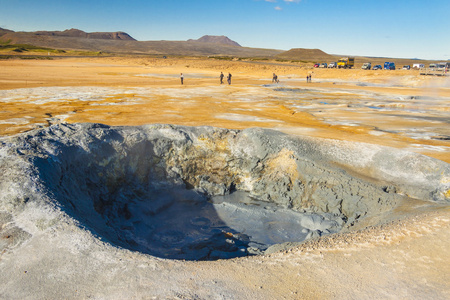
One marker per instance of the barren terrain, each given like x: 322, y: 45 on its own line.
x: 49, y: 250
x: 398, y: 108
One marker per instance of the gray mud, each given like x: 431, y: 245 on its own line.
x: 202, y: 193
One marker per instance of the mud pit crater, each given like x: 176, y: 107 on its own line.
x: 203, y: 193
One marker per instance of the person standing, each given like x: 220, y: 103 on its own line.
x: 182, y: 78
x: 229, y: 78
x: 221, y: 77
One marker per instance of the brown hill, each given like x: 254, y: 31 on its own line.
x: 216, y: 40
x: 4, y: 31
x: 314, y: 55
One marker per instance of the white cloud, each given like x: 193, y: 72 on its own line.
x: 278, y: 8
x: 292, y: 1
x: 272, y: 1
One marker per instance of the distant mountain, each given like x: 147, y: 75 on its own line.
x: 122, y: 43
x: 215, y: 39
x: 92, y: 35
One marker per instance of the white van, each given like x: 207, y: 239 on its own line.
x: 442, y: 66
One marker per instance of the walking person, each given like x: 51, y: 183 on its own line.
x: 229, y: 78
x: 275, y: 78
x: 221, y: 77
x: 182, y: 78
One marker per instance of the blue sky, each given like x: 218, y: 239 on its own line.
x: 384, y: 28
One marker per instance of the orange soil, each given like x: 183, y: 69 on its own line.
x: 120, y: 72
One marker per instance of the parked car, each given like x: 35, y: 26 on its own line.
x: 316, y: 65
x: 418, y: 66
x: 323, y: 65
x: 366, y: 66
x: 389, y: 65
x: 377, y: 67
x: 406, y: 67
x: 332, y: 65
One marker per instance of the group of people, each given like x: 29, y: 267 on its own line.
x: 221, y: 78
x: 274, y: 78
x: 228, y: 78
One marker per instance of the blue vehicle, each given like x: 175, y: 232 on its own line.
x: 377, y: 67
x: 389, y: 66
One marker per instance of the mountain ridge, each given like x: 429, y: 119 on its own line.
x: 77, y: 33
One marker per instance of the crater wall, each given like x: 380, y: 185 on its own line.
x: 113, y: 180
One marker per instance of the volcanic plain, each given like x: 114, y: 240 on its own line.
x: 402, y: 108
x: 382, y: 137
